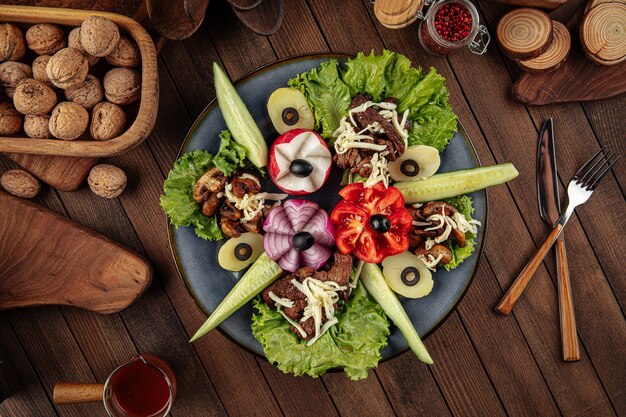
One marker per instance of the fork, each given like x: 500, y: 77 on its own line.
x: 579, y: 190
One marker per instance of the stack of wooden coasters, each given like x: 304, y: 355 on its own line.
x: 533, y: 40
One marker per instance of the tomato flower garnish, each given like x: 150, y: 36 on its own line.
x: 371, y: 223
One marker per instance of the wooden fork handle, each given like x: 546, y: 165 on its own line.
x: 569, y: 337
x: 515, y: 292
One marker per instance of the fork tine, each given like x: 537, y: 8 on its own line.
x: 583, y: 169
x: 590, y: 170
x: 590, y: 175
x: 595, y: 183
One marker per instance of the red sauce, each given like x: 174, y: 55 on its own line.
x: 140, y: 389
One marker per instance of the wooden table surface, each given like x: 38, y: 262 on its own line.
x: 485, y: 364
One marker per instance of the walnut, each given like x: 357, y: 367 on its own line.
x: 39, y: 69
x: 68, y: 121
x: 34, y: 97
x: 20, y: 183
x: 37, y: 126
x: 122, y: 85
x: 126, y: 54
x: 10, y: 119
x: 107, y: 121
x: 11, y: 73
x: 99, y: 35
x: 67, y: 68
x: 45, y: 38
x: 87, y: 94
x: 107, y: 181
x: 73, y: 41
x: 12, y: 47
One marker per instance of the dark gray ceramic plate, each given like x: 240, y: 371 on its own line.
x: 196, y: 259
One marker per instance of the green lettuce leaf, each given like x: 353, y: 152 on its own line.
x: 463, y: 204
x: 386, y: 75
x: 353, y: 344
x: 177, y: 199
x: 327, y: 95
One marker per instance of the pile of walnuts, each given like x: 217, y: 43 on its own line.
x: 56, y: 95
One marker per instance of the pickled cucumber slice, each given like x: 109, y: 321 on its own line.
x: 261, y: 274
x: 451, y: 184
x: 238, y: 119
x: 374, y: 282
x: 407, y: 275
x: 239, y: 252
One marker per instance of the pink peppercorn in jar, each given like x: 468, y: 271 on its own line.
x: 452, y: 24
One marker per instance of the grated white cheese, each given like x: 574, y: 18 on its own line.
x: 285, y: 302
x: 430, y: 261
x: 380, y: 170
x: 321, y: 297
x: 251, y: 204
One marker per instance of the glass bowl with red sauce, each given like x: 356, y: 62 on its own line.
x: 145, y: 386
x: 450, y: 25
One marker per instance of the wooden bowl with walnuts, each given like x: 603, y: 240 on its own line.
x: 75, y: 82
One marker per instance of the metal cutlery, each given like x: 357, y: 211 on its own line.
x: 550, y: 210
x: 579, y: 190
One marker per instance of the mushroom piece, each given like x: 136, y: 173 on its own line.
x: 435, y: 207
x: 245, y: 183
x: 435, y: 251
x: 459, y: 236
x: 210, y: 206
x: 229, y: 211
x: 415, y: 240
x: 211, y: 182
x: 231, y: 228
x: 255, y: 225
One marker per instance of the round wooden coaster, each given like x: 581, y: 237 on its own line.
x: 524, y: 33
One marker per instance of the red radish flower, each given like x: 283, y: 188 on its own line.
x: 298, y: 233
x: 300, y: 162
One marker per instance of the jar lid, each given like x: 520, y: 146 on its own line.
x: 396, y: 14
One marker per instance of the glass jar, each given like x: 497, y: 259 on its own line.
x: 476, y: 41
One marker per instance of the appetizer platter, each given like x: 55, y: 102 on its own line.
x: 329, y: 210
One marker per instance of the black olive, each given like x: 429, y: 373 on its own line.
x: 410, y: 168
x: 410, y: 276
x: 243, y: 252
x: 300, y: 168
x: 380, y: 223
x: 290, y: 116
x: 303, y: 240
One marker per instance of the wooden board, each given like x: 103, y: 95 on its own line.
x: 577, y: 79
x: 65, y: 173
x: 541, y: 4
x: 48, y: 259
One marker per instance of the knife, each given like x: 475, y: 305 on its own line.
x: 550, y: 210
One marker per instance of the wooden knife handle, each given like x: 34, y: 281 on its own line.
x: 569, y: 337
x: 72, y: 393
x: 515, y: 292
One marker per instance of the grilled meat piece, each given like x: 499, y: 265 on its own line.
x: 255, y: 225
x: 435, y: 251
x: 229, y: 211
x: 243, y: 184
x: 370, y: 116
x: 338, y: 271
x: 363, y: 168
x: 211, y: 205
x: 212, y: 181
x: 283, y: 287
x: 231, y: 228
x: 309, y: 327
x: 415, y: 240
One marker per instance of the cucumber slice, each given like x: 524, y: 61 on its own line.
x: 238, y: 119
x: 451, y: 184
x: 261, y: 274
x: 374, y: 282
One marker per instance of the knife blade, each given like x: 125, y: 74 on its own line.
x: 547, y: 178
x: 550, y: 211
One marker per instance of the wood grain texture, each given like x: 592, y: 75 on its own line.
x: 65, y: 173
x: 569, y: 336
x: 73, y: 393
x: 36, y: 269
x: 513, y: 294
x: 148, y: 107
x: 603, y: 33
x: 541, y: 4
x: 555, y: 55
x: 524, y: 33
x: 264, y: 19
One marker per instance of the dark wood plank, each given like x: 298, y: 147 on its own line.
x: 512, y: 122
x: 27, y: 397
